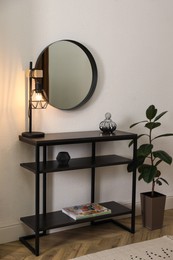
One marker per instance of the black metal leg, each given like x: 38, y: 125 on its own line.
x: 92, y: 185
x: 37, y: 234
x: 93, y: 174
x: 44, y: 193
x: 134, y: 187
x: 44, y: 181
x: 37, y: 200
x: 25, y: 240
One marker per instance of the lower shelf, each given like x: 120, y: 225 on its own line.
x: 59, y: 219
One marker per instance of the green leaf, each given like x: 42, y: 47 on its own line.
x: 131, y: 142
x: 152, y: 125
x: 144, y: 121
x: 132, y: 164
x: 139, y: 136
x: 158, y: 162
x: 158, y: 173
x: 144, y: 150
x: 140, y: 160
x: 165, y: 181
x: 163, y: 135
x: 160, y: 115
x: 151, y: 112
x: 147, y: 172
x: 158, y: 182
x: 163, y: 156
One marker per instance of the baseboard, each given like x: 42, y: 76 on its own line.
x: 13, y: 232
x: 169, y: 202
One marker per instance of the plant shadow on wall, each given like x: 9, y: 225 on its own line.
x: 147, y: 164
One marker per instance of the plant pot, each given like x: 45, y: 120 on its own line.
x: 152, y: 209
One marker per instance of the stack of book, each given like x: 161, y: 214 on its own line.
x: 86, y: 211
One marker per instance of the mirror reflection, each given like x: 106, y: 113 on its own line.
x: 69, y: 74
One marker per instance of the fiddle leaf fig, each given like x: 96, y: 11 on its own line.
x: 163, y: 135
x: 162, y: 155
x: 144, y: 121
x: 151, y: 112
x: 152, y: 125
x: 160, y: 115
x: 165, y: 181
x: 144, y: 150
x: 149, y: 171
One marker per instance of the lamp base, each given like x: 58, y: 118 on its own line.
x: 33, y: 134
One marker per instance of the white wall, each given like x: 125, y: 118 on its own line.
x: 132, y: 42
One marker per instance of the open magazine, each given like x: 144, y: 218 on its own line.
x: 86, y: 211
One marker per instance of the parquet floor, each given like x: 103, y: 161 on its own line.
x: 80, y: 241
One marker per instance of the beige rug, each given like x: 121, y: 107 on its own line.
x: 155, y: 249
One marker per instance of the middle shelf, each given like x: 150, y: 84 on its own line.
x: 77, y: 163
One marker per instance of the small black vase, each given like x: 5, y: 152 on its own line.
x: 63, y: 158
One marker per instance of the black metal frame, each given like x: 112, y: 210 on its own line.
x: 37, y: 171
x: 42, y: 64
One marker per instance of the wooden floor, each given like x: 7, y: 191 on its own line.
x: 80, y: 241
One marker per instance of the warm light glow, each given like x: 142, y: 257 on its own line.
x: 38, y: 97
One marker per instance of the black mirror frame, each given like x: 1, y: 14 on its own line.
x: 93, y: 67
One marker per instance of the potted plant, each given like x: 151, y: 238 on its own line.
x: 148, y: 161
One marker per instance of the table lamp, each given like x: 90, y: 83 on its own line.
x: 37, y: 99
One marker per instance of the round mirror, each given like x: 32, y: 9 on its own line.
x: 69, y: 74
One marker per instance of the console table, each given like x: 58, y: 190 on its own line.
x: 43, y: 221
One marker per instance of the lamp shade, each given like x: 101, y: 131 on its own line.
x: 38, y: 97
